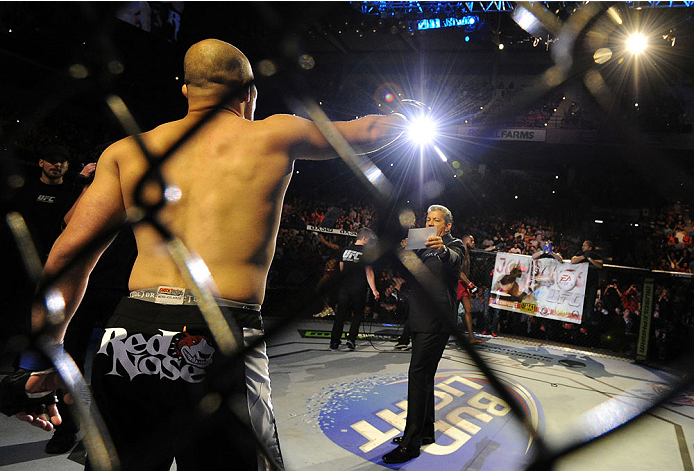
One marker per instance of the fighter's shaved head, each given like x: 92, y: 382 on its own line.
x: 213, y: 66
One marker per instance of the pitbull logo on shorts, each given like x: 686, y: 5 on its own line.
x: 169, y: 355
x: 194, y: 349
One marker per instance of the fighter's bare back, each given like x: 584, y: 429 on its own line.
x: 232, y: 178
x: 232, y: 183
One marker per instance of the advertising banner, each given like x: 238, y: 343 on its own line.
x: 543, y: 287
x: 328, y: 230
x: 506, y: 134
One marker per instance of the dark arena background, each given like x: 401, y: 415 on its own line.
x: 546, y: 121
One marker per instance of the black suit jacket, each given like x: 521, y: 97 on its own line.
x: 435, y: 299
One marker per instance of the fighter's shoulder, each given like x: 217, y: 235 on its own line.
x: 120, y: 147
x: 155, y: 140
x: 112, y: 153
x: 124, y: 153
x: 281, y: 118
x: 284, y: 123
x: 286, y: 130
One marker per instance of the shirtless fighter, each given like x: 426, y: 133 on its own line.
x: 232, y: 175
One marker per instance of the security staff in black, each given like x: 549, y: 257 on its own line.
x: 589, y: 255
x: 442, y: 259
x: 352, y: 297
x: 45, y: 201
x: 45, y: 204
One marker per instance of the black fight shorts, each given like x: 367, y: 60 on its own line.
x: 166, y: 392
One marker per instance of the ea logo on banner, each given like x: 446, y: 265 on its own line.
x: 474, y: 427
x: 566, y: 279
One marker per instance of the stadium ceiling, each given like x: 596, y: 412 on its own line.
x: 387, y: 9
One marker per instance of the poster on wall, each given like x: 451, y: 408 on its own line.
x: 543, y: 287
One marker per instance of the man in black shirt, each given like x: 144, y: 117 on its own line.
x: 589, y: 255
x: 352, y: 295
x: 44, y: 202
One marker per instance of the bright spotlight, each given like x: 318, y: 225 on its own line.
x: 422, y: 130
x: 637, y: 43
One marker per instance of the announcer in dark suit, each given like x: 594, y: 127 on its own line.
x: 442, y: 259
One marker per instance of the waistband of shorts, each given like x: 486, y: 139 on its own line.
x: 181, y: 296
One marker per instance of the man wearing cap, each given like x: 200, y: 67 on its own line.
x: 44, y: 202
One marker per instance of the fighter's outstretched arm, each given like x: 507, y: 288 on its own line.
x: 304, y: 140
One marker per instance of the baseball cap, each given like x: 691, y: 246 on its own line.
x: 55, y: 153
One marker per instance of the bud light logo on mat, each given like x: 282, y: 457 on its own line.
x: 475, y: 429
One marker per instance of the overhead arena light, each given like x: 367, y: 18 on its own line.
x: 637, y: 43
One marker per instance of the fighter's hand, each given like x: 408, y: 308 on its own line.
x: 31, y: 397
x: 40, y: 382
x: 376, y: 294
x: 88, y: 170
x: 46, y: 416
x: 435, y: 242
